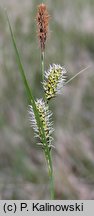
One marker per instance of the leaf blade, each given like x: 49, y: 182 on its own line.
x: 28, y: 91
x: 32, y: 102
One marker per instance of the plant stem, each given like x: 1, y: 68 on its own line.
x: 48, y: 157
x: 51, y: 178
x: 47, y: 151
x: 42, y: 64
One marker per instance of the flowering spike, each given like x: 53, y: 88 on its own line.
x: 54, y: 80
x: 42, y: 23
x: 45, y: 117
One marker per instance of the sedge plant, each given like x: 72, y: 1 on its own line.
x: 53, y: 81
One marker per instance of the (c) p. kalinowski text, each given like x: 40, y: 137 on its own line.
x: 52, y: 207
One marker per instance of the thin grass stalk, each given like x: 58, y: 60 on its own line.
x: 51, y: 179
x: 73, y: 77
x: 49, y: 162
x: 42, y: 65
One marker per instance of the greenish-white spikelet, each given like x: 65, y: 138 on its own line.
x: 54, y: 80
x: 45, y: 117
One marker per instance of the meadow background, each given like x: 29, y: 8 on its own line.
x: 23, y: 172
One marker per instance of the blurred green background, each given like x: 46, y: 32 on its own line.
x: 23, y: 172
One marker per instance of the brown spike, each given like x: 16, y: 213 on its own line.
x: 42, y: 23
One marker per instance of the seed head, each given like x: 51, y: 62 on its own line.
x: 54, y: 80
x: 45, y: 117
x: 42, y: 23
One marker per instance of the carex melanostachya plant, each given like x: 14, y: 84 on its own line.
x: 53, y: 81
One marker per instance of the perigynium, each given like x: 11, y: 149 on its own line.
x: 54, y: 80
x: 45, y: 116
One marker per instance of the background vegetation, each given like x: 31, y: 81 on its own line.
x: 23, y: 173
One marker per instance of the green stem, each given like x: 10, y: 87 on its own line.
x: 46, y: 150
x: 51, y: 178
x: 48, y: 157
x: 42, y: 64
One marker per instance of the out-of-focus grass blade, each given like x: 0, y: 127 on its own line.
x: 30, y: 97
x: 21, y: 69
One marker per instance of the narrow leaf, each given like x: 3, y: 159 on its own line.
x: 31, y: 98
